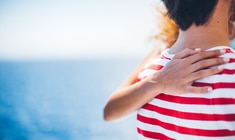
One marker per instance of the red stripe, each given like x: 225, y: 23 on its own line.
x: 190, y: 116
x: 164, y: 57
x: 137, y: 80
x: 196, y: 100
x: 153, y: 135
x: 228, y: 71
x: 228, y: 50
x: 154, y: 67
x: 231, y: 60
x: 215, y: 85
x: 186, y: 130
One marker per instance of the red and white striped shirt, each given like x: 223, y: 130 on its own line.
x: 209, y: 116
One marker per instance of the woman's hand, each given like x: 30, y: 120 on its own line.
x: 186, y: 67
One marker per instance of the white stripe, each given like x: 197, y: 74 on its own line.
x: 228, y: 55
x: 230, y: 66
x: 217, y: 93
x: 146, y: 72
x: 207, y: 125
x: 229, y: 78
x: 223, y: 93
x: 175, y: 135
x: 159, y: 61
x: 193, y: 108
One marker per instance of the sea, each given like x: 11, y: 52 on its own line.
x: 62, y: 99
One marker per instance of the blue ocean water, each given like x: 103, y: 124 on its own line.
x: 61, y: 100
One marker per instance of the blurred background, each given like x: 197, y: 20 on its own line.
x: 61, y: 59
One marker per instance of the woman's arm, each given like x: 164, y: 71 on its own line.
x: 176, y: 77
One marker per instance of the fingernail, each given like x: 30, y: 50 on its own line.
x: 226, y: 59
x: 197, y: 49
x: 220, y: 67
x: 222, y: 51
x: 209, y: 89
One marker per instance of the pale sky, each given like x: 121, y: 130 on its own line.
x: 65, y: 29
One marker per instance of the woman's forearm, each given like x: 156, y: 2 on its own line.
x: 128, y: 99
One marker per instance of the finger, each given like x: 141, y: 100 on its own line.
x: 192, y: 89
x: 203, y: 73
x: 207, y: 63
x: 186, y: 53
x: 204, y: 55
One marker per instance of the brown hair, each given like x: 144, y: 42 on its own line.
x: 166, y: 29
